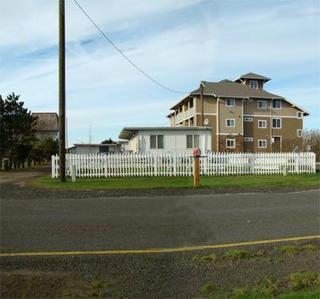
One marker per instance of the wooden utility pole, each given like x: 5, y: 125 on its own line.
x: 62, y: 94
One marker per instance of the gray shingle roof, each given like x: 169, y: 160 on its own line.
x: 254, y: 77
x: 227, y: 88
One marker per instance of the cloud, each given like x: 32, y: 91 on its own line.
x: 178, y: 43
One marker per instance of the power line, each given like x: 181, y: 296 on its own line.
x: 124, y: 55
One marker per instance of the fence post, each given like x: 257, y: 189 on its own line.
x: 53, y: 166
x: 196, y: 167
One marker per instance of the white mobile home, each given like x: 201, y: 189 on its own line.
x: 167, y: 139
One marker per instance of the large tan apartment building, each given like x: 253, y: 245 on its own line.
x: 243, y: 116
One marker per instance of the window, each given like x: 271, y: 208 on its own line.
x: 156, y: 141
x: 262, y: 124
x: 299, y: 114
x: 262, y: 104
x: 230, y: 122
x: 192, y: 141
x: 276, y: 123
x: 253, y: 84
x: 230, y: 103
x: 230, y: 143
x: 262, y: 143
x: 191, y: 103
x: 276, y: 104
x: 248, y: 139
x: 299, y: 132
x: 248, y: 119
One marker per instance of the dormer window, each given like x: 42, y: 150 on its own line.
x: 253, y: 84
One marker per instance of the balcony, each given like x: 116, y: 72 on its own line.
x: 180, y: 117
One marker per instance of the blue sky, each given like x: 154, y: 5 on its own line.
x: 178, y: 43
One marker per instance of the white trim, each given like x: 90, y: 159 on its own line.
x: 248, y: 119
x: 184, y: 119
x: 296, y: 106
x: 264, y: 122
x: 230, y: 134
x: 268, y: 116
x: 299, y: 133
x: 262, y: 141
x: 248, y: 139
x: 230, y: 119
x: 231, y: 100
x: 301, y: 115
x: 233, y: 141
x: 242, y: 112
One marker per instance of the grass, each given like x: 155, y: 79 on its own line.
x: 306, y: 294
x: 230, y: 255
x: 297, y: 285
x: 295, y: 249
x: 214, y: 182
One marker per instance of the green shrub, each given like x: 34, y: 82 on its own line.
x: 208, y: 289
x: 303, y: 280
x: 236, y: 254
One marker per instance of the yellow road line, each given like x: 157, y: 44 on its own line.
x: 156, y: 250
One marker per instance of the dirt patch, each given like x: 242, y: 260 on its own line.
x: 21, y: 177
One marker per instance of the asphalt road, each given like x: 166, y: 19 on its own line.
x: 40, y: 221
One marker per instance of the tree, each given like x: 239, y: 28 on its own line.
x: 16, y: 132
x: 108, y: 141
x: 311, y: 142
x: 49, y: 147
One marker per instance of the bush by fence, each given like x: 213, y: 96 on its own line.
x: 181, y: 164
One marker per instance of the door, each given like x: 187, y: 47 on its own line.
x: 276, y: 144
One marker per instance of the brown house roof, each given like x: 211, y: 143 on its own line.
x: 46, y: 121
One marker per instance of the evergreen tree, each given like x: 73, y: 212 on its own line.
x: 16, y: 132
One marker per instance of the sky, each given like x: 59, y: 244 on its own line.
x: 178, y: 43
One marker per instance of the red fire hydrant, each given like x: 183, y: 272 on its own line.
x: 196, y: 167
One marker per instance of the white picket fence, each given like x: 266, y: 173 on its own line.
x: 181, y: 164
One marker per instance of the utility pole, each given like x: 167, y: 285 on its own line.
x: 62, y: 93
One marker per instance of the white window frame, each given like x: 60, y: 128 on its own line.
x: 230, y: 120
x: 262, y: 104
x: 276, y: 106
x: 262, y: 121
x: 230, y: 102
x: 299, y: 115
x: 248, y: 119
x: 248, y: 139
x: 277, y: 118
x: 299, y: 133
x: 262, y: 143
x: 232, y: 145
x: 157, y: 137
